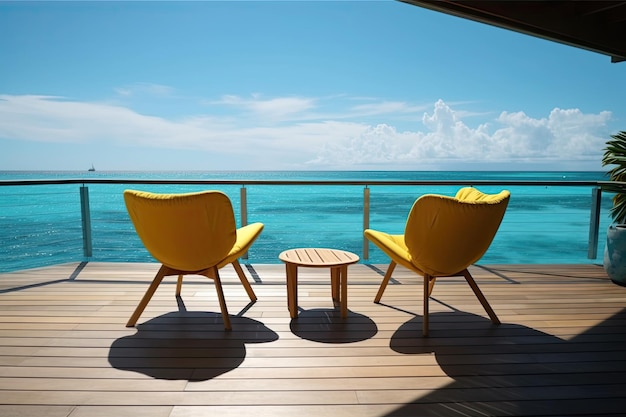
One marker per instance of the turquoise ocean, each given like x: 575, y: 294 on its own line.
x: 41, y: 224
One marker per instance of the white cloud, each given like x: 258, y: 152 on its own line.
x: 275, y: 109
x: 385, y: 107
x: 55, y: 119
x: 335, y: 140
x: 145, y: 89
x: 564, y: 136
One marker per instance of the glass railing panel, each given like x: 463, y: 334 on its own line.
x: 41, y: 224
x: 540, y: 225
x: 546, y: 226
x: 113, y: 235
x: 316, y: 216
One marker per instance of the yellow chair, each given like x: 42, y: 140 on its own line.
x: 190, y: 234
x: 443, y: 237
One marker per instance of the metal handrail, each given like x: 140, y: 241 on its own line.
x: 601, y: 184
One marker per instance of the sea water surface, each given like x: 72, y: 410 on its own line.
x: 42, y: 225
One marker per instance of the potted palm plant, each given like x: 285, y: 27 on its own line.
x: 615, y: 250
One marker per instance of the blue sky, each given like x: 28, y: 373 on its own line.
x: 261, y: 85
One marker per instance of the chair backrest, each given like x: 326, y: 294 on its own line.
x: 188, y: 232
x: 445, y: 235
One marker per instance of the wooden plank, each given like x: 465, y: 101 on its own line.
x: 64, y: 347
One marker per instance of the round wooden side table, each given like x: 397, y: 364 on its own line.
x: 335, y: 259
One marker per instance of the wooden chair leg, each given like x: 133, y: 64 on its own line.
x: 179, y: 285
x: 383, y: 285
x: 163, y: 271
x: 244, y: 280
x: 222, y: 300
x: 481, y: 297
x: 427, y: 279
x: 431, y: 285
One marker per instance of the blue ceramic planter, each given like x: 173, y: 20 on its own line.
x: 615, y: 254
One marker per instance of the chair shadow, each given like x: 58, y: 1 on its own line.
x: 327, y: 326
x: 186, y: 345
x: 496, y: 368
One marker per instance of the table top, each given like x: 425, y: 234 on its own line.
x: 318, y: 257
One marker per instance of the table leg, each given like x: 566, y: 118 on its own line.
x: 292, y: 289
x: 334, y: 284
x: 343, y: 278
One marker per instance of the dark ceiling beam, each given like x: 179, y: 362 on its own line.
x: 598, y: 26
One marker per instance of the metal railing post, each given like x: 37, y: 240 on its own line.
x: 366, y: 221
x: 244, y: 205
x: 243, y: 198
x: 85, y: 215
x: 594, y: 222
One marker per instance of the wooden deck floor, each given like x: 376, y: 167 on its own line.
x: 65, y: 350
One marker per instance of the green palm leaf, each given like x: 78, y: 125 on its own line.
x: 615, y: 156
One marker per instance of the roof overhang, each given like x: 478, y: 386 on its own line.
x: 598, y: 26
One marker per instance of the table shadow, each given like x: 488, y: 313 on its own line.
x: 327, y: 326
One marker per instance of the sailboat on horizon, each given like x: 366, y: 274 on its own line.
x: 92, y: 168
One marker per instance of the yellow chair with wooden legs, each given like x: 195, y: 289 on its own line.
x: 443, y: 236
x: 190, y: 234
